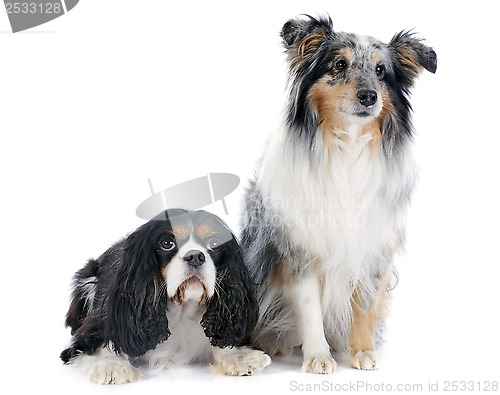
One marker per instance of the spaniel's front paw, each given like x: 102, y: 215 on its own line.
x: 112, y: 372
x: 240, y: 361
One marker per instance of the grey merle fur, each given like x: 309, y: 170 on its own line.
x: 312, y: 47
x: 398, y: 78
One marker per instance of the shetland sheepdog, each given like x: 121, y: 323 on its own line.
x: 326, y: 210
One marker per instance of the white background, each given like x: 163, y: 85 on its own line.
x: 95, y: 102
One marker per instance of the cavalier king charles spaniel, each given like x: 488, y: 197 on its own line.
x: 175, y: 291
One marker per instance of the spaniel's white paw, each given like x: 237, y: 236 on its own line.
x: 239, y: 361
x: 106, y: 367
x: 112, y: 372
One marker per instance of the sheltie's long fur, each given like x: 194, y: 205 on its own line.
x: 327, y: 209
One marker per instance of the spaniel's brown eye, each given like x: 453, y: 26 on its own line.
x: 213, y: 243
x: 340, y: 64
x: 168, y: 244
x: 380, y: 70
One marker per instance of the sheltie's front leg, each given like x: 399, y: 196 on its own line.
x: 364, y: 322
x: 306, y: 301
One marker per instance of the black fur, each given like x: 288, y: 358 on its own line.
x: 407, y: 52
x: 306, y: 68
x: 232, y: 312
x: 295, y: 30
x: 130, y: 303
x: 79, y: 309
x: 136, y: 308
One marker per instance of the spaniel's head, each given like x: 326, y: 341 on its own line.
x: 190, y: 251
x: 180, y: 257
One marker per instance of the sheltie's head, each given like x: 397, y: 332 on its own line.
x: 341, y: 79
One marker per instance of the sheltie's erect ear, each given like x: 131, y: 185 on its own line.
x: 307, y: 42
x: 303, y: 37
x: 411, y: 56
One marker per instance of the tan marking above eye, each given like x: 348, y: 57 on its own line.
x: 203, y: 231
x: 377, y: 58
x: 347, y: 54
x: 181, y: 231
x: 346, y: 57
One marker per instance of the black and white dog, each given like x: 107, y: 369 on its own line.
x: 326, y: 211
x: 175, y: 291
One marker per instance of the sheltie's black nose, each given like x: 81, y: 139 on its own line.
x: 367, y: 97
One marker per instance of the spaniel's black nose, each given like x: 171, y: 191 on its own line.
x: 194, y: 258
x: 367, y: 97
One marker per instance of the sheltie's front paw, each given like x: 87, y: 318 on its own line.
x: 366, y: 360
x: 321, y: 364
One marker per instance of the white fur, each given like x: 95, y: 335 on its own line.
x: 363, y: 40
x: 320, y: 364
x: 89, y: 287
x: 340, y: 209
x: 186, y: 344
x: 242, y: 361
x: 177, y: 271
x: 107, y: 367
x: 305, y: 297
x: 366, y: 360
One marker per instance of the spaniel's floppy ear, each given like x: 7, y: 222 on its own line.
x: 232, y: 312
x: 411, y: 55
x: 302, y: 37
x: 136, y: 308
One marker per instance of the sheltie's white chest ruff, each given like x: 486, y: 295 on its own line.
x: 342, y: 210
x: 338, y: 208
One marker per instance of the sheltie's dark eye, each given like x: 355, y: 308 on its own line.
x: 168, y: 244
x: 341, y: 64
x: 380, y: 70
